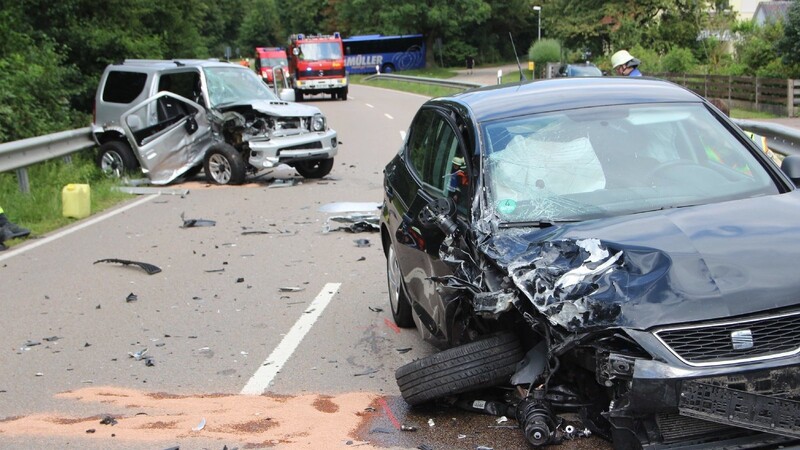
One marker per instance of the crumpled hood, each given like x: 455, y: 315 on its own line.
x: 659, y: 268
x: 279, y: 108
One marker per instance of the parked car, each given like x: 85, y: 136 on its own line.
x: 174, y: 118
x: 612, y: 248
x: 579, y: 70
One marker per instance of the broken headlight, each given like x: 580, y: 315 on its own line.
x: 318, y: 123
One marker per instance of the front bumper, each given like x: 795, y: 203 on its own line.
x: 266, y: 153
x: 324, y: 84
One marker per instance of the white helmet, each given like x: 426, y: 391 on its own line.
x: 620, y: 58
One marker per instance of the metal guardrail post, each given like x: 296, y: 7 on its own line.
x: 24, y: 181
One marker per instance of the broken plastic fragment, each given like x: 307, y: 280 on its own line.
x: 131, y: 297
x: 200, y: 425
x: 149, y: 268
x: 362, y: 242
x: 290, y: 289
x: 191, y: 223
x: 138, y: 355
x: 501, y: 419
x: 431, y: 423
x: 108, y: 420
x: 408, y: 428
x: 340, y: 207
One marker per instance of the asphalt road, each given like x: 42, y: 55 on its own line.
x: 262, y: 331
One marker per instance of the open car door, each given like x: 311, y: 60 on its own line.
x: 282, y: 84
x: 169, y: 135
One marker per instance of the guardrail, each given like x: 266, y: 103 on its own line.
x: 18, y: 155
x: 780, y: 138
x: 424, y: 80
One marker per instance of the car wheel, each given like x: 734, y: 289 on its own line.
x: 343, y: 94
x: 401, y: 307
x: 315, y: 168
x: 115, y: 158
x: 299, y: 95
x: 224, y: 165
x: 477, y: 365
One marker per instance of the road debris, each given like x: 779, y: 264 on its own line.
x: 358, y: 223
x: 138, y: 355
x: 341, y: 207
x: 431, y: 423
x: 290, y: 289
x: 375, y: 309
x: 193, y: 223
x: 408, y: 428
x: 200, y: 425
x: 362, y: 243
x: 108, y: 420
x: 131, y: 297
x: 149, y: 268
x: 501, y: 419
x: 403, y: 350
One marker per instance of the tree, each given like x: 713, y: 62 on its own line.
x: 789, y: 45
x: 261, y: 26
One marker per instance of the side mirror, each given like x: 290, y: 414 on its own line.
x: 439, y: 212
x: 791, y: 167
x: 287, y: 95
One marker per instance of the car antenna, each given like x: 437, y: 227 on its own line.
x: 514, y: 47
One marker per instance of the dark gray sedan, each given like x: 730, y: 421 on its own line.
x: 614, y: 254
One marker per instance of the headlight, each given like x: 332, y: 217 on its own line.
x: 318, y: 123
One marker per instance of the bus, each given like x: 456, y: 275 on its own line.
x: 369, y: 53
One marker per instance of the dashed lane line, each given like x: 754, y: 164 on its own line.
x: 38, y: 242
x: 269, y: 369
x: 369, y: 105
x: 388, y: 116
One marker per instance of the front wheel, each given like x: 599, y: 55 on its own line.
x: 224, y: 165
x: 115, y: 158
x: 299, y: 95
x: 476, y: 365
x: 315, y: 168
x: 401, y: 307
x: 343, y: 94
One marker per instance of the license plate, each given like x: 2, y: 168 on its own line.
x: 740, y: 409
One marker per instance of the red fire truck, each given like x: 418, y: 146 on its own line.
x: 266, y: 59
x: 317, y: 65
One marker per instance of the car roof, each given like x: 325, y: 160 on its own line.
x: 531, y: 97
x: 156, y: 65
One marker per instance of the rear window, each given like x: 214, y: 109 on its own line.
x: 123, y: 87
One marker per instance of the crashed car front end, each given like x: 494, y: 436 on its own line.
x: 659, y: 316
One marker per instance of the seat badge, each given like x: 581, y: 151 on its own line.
x: 742, y: 339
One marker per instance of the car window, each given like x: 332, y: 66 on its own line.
x: 235, y: 84
x: 600, y: 162
x: 123, y: 87
x: 181, y: 83
x: 432, y: 147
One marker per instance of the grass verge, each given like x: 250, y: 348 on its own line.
x: 41, y: 209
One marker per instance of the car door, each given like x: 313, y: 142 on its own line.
x: 435, y: 160
x: 169, y: 134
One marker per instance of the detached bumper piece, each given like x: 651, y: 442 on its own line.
x: 737, y: 408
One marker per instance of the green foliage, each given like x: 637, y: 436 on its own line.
x: 678, y: 60
x: 261, y: 27
x: 543, y: 52
x: 650, y: 60
x: 789, y: 44
x: 41, y: 209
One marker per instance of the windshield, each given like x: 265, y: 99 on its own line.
x: 320, y: 50
x: 584, y: 71
x: 607, y: 161
x: 235, y: 84
x: 272, y: 62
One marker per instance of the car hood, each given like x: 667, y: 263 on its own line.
x: 658, y: 268
x: 276, y: 108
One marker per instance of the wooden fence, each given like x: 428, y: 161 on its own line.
x: 774, y: 95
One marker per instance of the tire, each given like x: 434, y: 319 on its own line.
x: 314, y: 168
x: 224, y: 165
x: 115, y: 158
x: 398, y: 301
x: 465, y: 368
x: 343, y: 94
x: 299, y: 95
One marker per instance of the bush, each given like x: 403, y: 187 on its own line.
x: 678, y: 60
x: 544, y: 51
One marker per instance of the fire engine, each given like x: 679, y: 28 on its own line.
x: 317, y: 65
x: 266, y: 59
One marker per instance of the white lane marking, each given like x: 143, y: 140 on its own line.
x: 369, y: 105
x: 387, y: 115
x: 36, y: 243
x: 273, y: 364
x: 402, y: 135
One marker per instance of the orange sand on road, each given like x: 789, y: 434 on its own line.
x: 302, y: 422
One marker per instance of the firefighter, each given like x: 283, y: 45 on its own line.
x: 625, y: 64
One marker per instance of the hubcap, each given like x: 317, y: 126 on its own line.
x: 393, y: 276
x: 220, y: 168
x: 111, y: 164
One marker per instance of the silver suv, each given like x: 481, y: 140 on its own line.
x: 174, y: 118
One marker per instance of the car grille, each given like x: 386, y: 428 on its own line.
x: 302, y: 74
x: 307, y: 146
x: 714, y: 343
x: 289, y: 123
